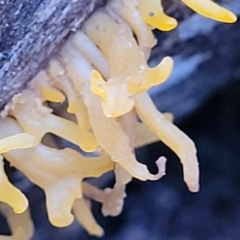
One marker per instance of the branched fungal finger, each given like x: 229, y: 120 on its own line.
x: 153, y: 14
x: 10, y: 194
x: 93, y: 94
x: 172, y: 137
x: 210, y: 9
x: 83, y: 214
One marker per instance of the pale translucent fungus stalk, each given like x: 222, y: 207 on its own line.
x: 172, y: 137
x: 153, y: 14
x: 21, y: 225
x: 119, y: 146
x: 76, y: 66
x: 45, y: 169
x: 57, y: 172
x: 37, y: 123
x: 91, y: 52
x: 9, y: 194
x: 83, y: 214
x: 139, y: 134
x: 128, y: 10
x: 107, y: 131
x: 130, y: 73
x: 75, y: 103
x: 17, y: 141
x: 129, y: 124
x: 112, y: 199
x: 210, y: 9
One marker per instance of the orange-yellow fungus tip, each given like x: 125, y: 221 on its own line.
x: 42, y: 83
x: 98, y: 84
x: 116, y: 100
x: 117, y: 94
x: 84, y: 216
x: 21, y: 140
x: 52, y: 94
x: 153, y: 14
x: 209, y: 9
x: 11, y: 195
x: 153, y: 77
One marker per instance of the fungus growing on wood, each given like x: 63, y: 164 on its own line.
x: 102, y: 76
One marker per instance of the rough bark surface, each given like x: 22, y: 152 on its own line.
x: 30, y: 31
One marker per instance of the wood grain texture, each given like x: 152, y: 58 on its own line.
x: 30, y: 32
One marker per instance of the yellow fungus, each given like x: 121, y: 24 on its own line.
x: 152, y: 77
x: 11, y: 195
x: 44, y: 166
x: 91, y: 52
x: 47, y: 92
x: 172, y: 137
x: 110, y: 135
x: 153, y: 14
x: 38, y: 124
x: 84, y: 216
x: 18, y: 141
x: 75, y: 103
x: 129, y: 73
x: 102, y: 76
x: 128, y: 10
x: 211, y: 10
x: 98, y: 85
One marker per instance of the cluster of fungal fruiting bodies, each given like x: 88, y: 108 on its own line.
x: 102, y: 76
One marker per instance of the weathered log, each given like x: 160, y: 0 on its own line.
x: 30, y: 33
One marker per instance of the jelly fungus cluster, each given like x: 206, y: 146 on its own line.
x: 100, y: 78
